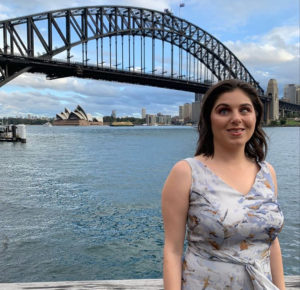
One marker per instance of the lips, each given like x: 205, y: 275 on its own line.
x: 235, y: 130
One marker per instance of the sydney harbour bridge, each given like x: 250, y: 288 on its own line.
x: 123, y: 44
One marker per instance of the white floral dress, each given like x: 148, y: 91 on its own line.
x: 229, y: 234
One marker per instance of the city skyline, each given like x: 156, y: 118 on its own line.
x: 264, y: 36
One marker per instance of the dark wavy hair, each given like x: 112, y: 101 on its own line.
x: 256, y: 147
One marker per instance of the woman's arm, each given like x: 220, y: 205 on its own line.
x: 276, y: 265
x: 275, y: 252
x: 175, y: 202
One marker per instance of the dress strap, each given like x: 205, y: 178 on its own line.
x: 195, y: 169
x: 191, y: 163
x: 265, y: 169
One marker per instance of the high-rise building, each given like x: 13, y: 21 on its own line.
x: 114, y: 114
x: 163, y: 119
x: 187, y: 112
x: 168, y: 119
x: 150, y: 119
x: 196, y: 107
x: 272, y: 91
x: 298, y: 96
x: 143, y: 113
x: 180, y: 112
x: 290, y: 93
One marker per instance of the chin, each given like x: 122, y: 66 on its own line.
x: 238, y: 142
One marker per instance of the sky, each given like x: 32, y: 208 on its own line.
x: 263, y: 34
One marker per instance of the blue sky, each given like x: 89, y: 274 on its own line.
x: 263, y: 34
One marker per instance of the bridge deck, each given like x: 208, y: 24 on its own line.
x: 292, y: 283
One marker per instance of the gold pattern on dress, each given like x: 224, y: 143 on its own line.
x: 243, y: 245
x: 267, y: 184
x: 205, y: 283
x: 194, y: 219
x: 214, y: 244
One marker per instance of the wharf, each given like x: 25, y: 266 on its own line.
x: 13, y: 133
x: 292, y: 283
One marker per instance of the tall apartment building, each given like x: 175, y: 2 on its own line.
x: 290, y: 93
x: 180, y: 112
x: 150, y: 119
x: 272, y: 91
x: 196, y: 107
x: 298, y: 96
x: 143, y: 113
x: 187, y: 112
x: 114, y: 114
x: 163, y: 119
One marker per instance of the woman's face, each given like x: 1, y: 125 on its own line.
x: 233, y: 119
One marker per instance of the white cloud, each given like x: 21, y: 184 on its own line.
x: 272, y: 55
x: 4, y: 12
x: 283, y: 35
x: 259, y: 53
x: 33, y: 93
x: 75, y: 85
x: 18, y: 102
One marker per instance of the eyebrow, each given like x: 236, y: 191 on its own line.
x: 241, y: 105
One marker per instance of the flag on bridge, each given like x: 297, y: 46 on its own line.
x: 181, y: 5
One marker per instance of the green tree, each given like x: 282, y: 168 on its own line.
x: 274, y: 123
x: 282, y: 121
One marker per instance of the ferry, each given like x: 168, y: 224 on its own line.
x: 122, y: 124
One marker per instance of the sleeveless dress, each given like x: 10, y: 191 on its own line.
x: 229, y: 234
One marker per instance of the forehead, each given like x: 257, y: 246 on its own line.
x: 234, y: 98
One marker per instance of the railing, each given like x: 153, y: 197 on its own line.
x: 292, y: 283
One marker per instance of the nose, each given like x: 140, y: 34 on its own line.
x: 236, y: 117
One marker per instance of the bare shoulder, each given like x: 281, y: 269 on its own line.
x: 182, y: 168
x: 180, y: 177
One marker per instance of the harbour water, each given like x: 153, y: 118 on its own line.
x: 83, y: 203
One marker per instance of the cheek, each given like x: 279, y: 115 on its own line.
x: 251, y: 121
x: 215, y: 126
x: 254, y: 120
x: 216, y: 121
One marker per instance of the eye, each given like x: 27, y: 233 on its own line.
x: 223, y: 111
x: 245, y: 110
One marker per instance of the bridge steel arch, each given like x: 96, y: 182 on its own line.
x: 79, y: 25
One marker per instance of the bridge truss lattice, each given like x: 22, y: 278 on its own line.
x: 142, y: 45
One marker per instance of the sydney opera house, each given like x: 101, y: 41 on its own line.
x: 76, y: 118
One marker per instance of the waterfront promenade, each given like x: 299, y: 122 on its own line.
x: 292, y: 283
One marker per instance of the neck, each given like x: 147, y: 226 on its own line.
x: 229, y: 155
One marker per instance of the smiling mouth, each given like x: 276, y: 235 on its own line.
x: 235, y: 130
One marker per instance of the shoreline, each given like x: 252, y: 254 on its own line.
x: 280, y: 126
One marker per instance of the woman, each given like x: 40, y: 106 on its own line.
x: 227, y: 196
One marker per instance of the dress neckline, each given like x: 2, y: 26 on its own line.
x: 225, y: 183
